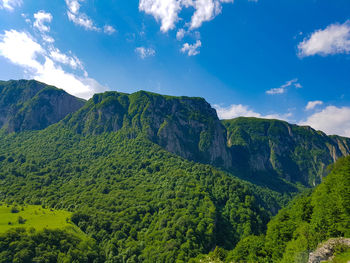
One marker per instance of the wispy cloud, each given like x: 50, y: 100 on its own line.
x: 283, y: 89
x: 191, y: 50
x: 10, y: 5
x: 313, y: 104
x: 109, y: 30
x: 143, y: 52
x: 239, y: 110
x: 331, y: 120
x: 334, y: 39
x: 79, y: 18
x: 41, y: 63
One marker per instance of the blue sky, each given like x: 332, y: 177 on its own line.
x: 275, y: 59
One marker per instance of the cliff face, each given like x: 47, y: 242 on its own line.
x: 185, y: 126
x: 295, y: 153
x: 31, y: 105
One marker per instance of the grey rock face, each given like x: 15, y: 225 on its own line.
x: 31, y: 105
x: 326, y: 251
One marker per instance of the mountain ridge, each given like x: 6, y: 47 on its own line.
x: 268, y: 152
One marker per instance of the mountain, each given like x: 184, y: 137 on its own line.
x: 32, y: 105
x: 153, y: 178
x: 296, y: 154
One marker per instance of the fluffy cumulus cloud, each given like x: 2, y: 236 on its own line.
x: 335, y: 39
x: 144, y: 52
x: 41, y: 18
x: 283, y: 89
x: 167, y: 11
x: 10, y: 5
x: 192, y: 50
x: 331, y: 120
x: 313, y: 104
x: 239, y: 110
x: 43, y: 63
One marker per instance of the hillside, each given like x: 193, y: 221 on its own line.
x: 310, y: 219
x: 137, y: 200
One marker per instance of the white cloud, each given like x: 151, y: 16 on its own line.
x: 192, y: 50
x: 276, y: 91
x: 312, y: 104
x: 10, y: 4
x: 331, y: 120
x: 109, y: 30
x: 22, y: 49
x: 145, y: 52
x: 180, y: 34
x: 206, y: 10
x: 78, y: 18
x: 167, y: 11
x: 40, y: 19
x: 239, y: 110
x: 71, y: 61
x: 48, y: 39
x: 335, y: 39
x: 283, y: 89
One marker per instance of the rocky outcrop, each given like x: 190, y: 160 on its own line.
x: 32, y: 105
x: 325, y: 252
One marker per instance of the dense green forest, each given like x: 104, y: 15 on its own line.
x: 152, y: 178
x: 138, y: 201
x: 308, y: 220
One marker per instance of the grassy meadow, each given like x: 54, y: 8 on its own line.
x: 34, y: 216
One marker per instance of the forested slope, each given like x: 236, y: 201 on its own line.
x: 138, y: 201
x: 310, y: 219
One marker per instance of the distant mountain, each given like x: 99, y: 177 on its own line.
x: 296, y: 154
x: 32, y: 105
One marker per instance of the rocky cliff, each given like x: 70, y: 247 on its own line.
x: 32, y: 105
x: 188, y: 127
x: 294, y: 153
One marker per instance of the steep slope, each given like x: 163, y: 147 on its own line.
x: 32, y: 105
x: 188, y: 127
x: 293, y: 153
x: 309, y: 220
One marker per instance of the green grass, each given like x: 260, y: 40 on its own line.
x: 35, y: 217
